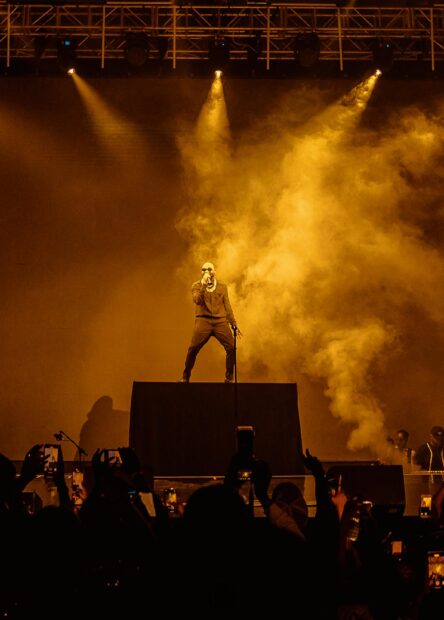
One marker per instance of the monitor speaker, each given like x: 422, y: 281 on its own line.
x: 383, y: 485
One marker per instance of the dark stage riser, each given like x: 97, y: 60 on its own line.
x: 190, y: 429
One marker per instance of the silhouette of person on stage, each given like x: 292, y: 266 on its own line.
x: 214, y: 317
x: 400, y: 453
x: 430, y: 455
x: 105, y: 427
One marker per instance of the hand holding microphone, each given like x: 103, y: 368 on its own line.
x: 206, y: 278
x: 236, y: 330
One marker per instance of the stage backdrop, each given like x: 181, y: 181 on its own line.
x: 190, y: 429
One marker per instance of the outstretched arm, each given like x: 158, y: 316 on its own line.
x: 261, y: 479
x: 62, y: 489
x: 325, y: 509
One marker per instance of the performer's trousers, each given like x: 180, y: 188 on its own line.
x: 204, y: 328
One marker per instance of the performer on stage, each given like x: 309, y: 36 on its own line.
x: 214, y: 316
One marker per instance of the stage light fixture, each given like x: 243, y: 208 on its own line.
x: 307, y: 47
x: 66, y: 53
x: 137, y: 48
x: 219, y: 52
x: 382, y: 54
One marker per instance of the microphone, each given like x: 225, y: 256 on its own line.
x: 62, y: 436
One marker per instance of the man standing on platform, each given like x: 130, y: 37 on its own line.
x: 214, y: 317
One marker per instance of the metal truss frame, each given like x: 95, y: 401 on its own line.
x: 345, y: 33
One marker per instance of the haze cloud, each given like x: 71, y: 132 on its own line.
x: 318, y: 228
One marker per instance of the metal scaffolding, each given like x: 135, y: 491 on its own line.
x: 345, y: 33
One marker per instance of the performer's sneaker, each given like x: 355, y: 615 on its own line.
x: 183, y: 380
x: 229, y: 380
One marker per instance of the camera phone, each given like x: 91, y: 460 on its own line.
x: 435, y: 570
x: 51, y: 457
x: 397, y: 547
x: 113, y: 457
x: 425, y: 507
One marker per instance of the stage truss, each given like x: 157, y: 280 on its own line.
x: 346, y: 34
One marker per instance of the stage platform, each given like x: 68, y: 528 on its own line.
x: 180, y: 429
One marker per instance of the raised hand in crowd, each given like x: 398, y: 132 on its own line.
x: 32, y: 466
x: 325, y: 512
x: 261, y: 477
x: 339, y: 498
x: 58, y: 476
x: 313, y: 464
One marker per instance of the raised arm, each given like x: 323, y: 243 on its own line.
x: 198, y: 291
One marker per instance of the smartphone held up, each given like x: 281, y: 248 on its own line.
x: 51, y: 454
x: 112, y: 457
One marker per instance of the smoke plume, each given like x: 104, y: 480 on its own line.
x: 318, y: 229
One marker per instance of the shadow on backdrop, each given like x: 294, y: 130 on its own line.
x: 105, y: 427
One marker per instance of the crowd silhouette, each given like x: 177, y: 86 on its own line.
x: 111, y: 548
